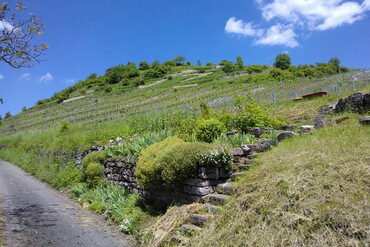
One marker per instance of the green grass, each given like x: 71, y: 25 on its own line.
x: 308, y: 191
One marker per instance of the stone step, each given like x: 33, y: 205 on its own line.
x: 236, y: 175
x: 216, y: 199
x: 252, y: 156
x: 178, y: 239
x: 189, y: 230
x: 198, y: 219
x: 211, y: 209
x: 225, y: 188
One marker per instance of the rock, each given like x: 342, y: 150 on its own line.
x: 238, y: 152
x: 243, y: 167
x: 225, y: 188
x: 284, y: 135
x: 211, y: 209
x: 319, y: 121
x: 208, y: 173
x: 358, y: 102
x: 177, y: 239
x: 199, y: 191
x: 264, y: 145
x: 189, y: 230
x: 200, y: 182
x: 246, y: 150
x: 364, y: 120
x: 257, y: 132
x: 231, y: 133
x: 253, y: 147
x: 306, y: 129
x: 216, y: 199
x: 198, y: 220
x: 287, y: 127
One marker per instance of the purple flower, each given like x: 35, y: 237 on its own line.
x: 107, y: 198
x: 233, y: 124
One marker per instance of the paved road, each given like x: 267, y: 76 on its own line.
x: 37, y: 215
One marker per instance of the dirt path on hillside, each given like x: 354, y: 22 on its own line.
x: 37, y: 215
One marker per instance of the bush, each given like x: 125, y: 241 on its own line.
x: 94, y: 174
x: 208, y: 129
x: 94, y: 157
x: 171, y: 161
x: 148, y: 168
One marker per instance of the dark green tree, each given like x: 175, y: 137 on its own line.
x: 179, y: 60
x: 239, y: 62
x: 143, y: 65
x: 336, y: 63
x: 229, y: 67
x: 92, y: 76
x: 282, y: 61
x: 7, y: 115
x: 199, y: 63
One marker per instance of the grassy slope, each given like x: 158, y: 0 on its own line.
x: 308, y: 191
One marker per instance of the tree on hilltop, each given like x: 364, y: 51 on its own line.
x: 179, y: 59
x: 282, y: 61
x: 17, y: 45
x: 239, y: 62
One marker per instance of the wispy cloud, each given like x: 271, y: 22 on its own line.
x: 289, y: 16
x: 45, y: 78
x: 70, y: 81
x: 25, y: 77
x: 1, y: 76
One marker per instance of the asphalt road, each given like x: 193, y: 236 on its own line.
x: 37, y: 215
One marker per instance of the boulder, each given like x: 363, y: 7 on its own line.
x: 358, y: 102
x: 287, y: 127
x: 257, y: 132
x: 264, y: 145
x: 284, y: 135
x: 246, y: 150
x: 238, y: 152
x: 364, y: 120
x: 306, y: 129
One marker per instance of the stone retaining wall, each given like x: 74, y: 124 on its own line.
x: 122, y: 173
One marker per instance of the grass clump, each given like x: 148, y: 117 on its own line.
x: 308, y: 191
x: 236, y: 140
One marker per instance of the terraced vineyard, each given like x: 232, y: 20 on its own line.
x: 211, y: 87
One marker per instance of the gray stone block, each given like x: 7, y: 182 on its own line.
x: 364, y: 120
x: 238, y: 152
x: 198, y: 220
x: 225, y: 188
x: 307, y: 129
x: 208, y: 173
x: 284, y: 135
x: 216, y: 199
x: 199, y: 191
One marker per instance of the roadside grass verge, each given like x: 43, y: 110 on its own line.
x: 2, y: 224
x: 308, y: 191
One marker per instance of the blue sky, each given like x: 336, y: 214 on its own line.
x: 89, y: 36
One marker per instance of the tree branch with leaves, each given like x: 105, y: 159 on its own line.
x: 18, y: 47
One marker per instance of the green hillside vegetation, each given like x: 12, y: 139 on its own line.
x: 144, y: 107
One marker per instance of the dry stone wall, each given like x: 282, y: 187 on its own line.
x: 122, y: 173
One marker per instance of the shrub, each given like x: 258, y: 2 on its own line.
x: 94, y: 157
x: 94, y: 174
x: 148, y: 168
x: 171, y: 161
x: 208, y: 129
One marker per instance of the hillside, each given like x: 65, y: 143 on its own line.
x: 131, y: 112
x: 121, y: 93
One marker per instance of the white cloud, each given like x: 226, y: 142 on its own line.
x: 70, y: 81
x: 240, y: 27
x: 275, y: 35
x: 287, y: 17
x: 315, y: 14
x: 279, y: 35
x: 6, y: 25
x: 25, y: 77
x: 1, y: 76
x: 45, y: 78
